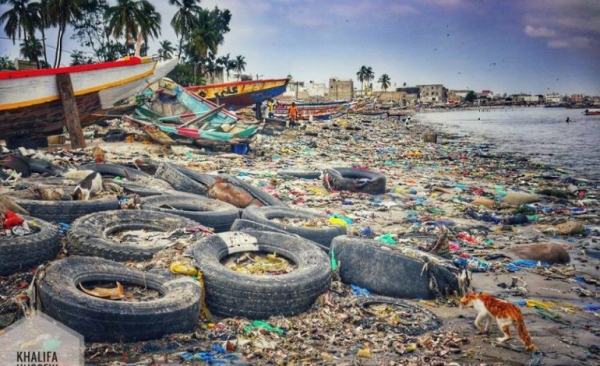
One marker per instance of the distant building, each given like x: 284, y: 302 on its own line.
x: 316, y: 91
x: 433, y: 93
x: 456, y: 96
x: 341, y: 89
x: 577, y: 98
x: 553, y: 98
x: 487, y: 94
x: 25, y: 65
x: 411, y: 95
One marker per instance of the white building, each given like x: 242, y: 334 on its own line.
x: 553, y: 98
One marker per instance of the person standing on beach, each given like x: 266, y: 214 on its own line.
x: 293, y: 113
x: 263, y: 111
x: 271, y: 105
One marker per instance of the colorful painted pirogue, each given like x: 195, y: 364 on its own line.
x: 239, y: 94
x: 30, y: 102
x: 176, y: 111
x: 318, y: 111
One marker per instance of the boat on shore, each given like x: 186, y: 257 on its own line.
x: 318, y: 111
x: 239, y: 94
x: 30, y: 102
x: 177, y: 112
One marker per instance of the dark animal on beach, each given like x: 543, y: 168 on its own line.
x: 224, y: 191
x: 47, y: 193
x: 550, y: 253
x: 90, y: 184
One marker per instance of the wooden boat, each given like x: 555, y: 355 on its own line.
x: 592, y: 113
x: 178, y: 112
x: 30, y: 102
x: 239, y: 94
x: 318, y: 111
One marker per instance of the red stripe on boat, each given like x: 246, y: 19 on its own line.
x: 15, y: 74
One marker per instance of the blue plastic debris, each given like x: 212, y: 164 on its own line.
x: 359, y: 291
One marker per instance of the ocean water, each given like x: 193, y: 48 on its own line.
x: 539, y: 133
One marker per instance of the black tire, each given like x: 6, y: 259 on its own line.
x: 416, y: 320
x: 65, y: 211
x: 370, y: 264
x: 142, y: 189
x: 101, y: 320
x: 203, y: 178
x: 115, y: 170
x: 264, y: 215
x: 181, y: 181
x: 302, y: 174
x: 354, y: 180
x: 216, y: 214
x: 264, y: 197
x: 230, y: 293
x: 21, y: 253
x: 243, y: 224
x: 89, y: 234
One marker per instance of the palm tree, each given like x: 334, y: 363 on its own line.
x: 20, y: 19
x: 166, y: 49
x: 44, y: 23
x: 61, y: 13
x: 361, y: 76
x: 203, y: 37
x: 225, y: 63
x: 384, y: 80
x: 185, y: 18
x: 130, y: 18
x: 240, y: 65
x: 369, y: 75
x: 32, y: 49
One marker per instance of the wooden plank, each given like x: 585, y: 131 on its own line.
x: 204, y: 116
x: 67, y: 96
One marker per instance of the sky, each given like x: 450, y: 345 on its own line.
x: 508, y: 46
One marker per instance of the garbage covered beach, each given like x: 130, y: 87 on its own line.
x: 415, y: 214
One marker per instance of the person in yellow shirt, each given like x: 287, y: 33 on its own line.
x: 271, y: 106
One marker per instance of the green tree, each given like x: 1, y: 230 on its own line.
x: 20, y: 20
x: 385, y: 81
x: 111, y: 51
x: 130, y: 18
x: 44, y: 23
x: 32, y: 50
x: 166, y: 49
x: 365, y: 74
x: 184, y: 19
x: 78, y: 58
x: 90, y: 28
x: 240, y: 65
x: 61, y: 13
x: 470, y: 97
x: 6, y: 63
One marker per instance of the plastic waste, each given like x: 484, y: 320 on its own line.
x: 359, y: 291
x: 518, y: 219
x: 386, y: 238
x: 261, y: 324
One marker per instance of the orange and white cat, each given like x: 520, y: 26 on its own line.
x: 488, y: 308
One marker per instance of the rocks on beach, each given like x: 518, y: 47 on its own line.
x: 541, y: 247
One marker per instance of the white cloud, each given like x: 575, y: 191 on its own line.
x: 558, y: 43
x: 403, y: 9
x: 539, y: 32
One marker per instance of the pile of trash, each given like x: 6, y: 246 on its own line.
x: 512, y: 222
